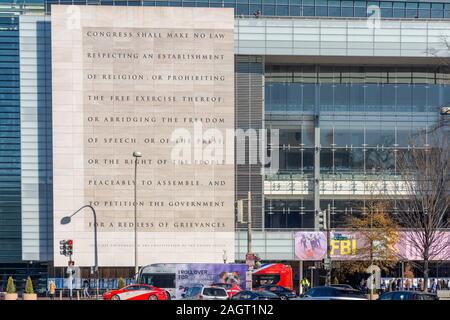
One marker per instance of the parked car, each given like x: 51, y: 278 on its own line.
x: 408, y: 295
x: 136, y: 292
x: 255, y: 295
x: 280, y: 291
x: 342, y: 285
x: 232, y: 289
x: 205, y: 293
x: 332, y: 293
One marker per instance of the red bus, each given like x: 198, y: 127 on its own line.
x: 273, y: 274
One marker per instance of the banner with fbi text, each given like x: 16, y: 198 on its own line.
x: 348, y: 245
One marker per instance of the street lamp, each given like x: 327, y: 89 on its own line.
x: 312, y: 268
x: 224, y: 256
x: 136, y: 155
x: 68, y: 219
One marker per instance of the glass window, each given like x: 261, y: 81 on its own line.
x: 308, y: 11
x: 282, y: 10
x: 254, y: 8
x: 347, y: 12
x: 334, y: 11
x: 424, y: 13
x: 295, y: 11
x: 242, y: 9
x: 424, y: 6
x: 268, y: 10
x: 321, y: 11
x: 387, y: 12
x: 437, y: 14
x: 360, y: 12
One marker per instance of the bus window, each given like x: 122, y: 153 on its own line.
x: 265, y: 279
x: 159, y: 280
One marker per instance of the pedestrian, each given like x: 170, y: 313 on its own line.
x: 433, y: 286
x: 86, y: 289
x: 398, y: 286
x: 448, y: 284
x: 304, y: 283
x: 421, y: 284
x: 51, y: 289
x: 408, y: 284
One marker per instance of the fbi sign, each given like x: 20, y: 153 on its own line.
x: 343, y: 245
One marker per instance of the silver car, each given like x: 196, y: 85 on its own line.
x: 332, y: 293
x: 205, y: 293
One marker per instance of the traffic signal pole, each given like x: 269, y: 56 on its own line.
x: 249, y: 223
x: 328, y: 264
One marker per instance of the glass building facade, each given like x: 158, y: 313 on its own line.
x: 296, y: 8
x: 366, y: 114
x: 10, y: 191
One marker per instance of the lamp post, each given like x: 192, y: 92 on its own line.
x: 67, y: 220
x: 136, y: 155
x: 224, y: 256
x: 312, y: 268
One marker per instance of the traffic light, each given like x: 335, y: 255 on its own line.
x: 63, y: 247
x: 69, y: 247
x: 321, y: 220
x: 66, y: 247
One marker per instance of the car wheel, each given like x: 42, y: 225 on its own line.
x: 283, y: 297
x: 152, y: 297
x: 115, y: 297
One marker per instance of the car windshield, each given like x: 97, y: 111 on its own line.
x: 266, y: 294
x: 321, y: 292
x: 193, y: 291
x: 343, y: 292
x: 223, y: 285
x: 216, y: 292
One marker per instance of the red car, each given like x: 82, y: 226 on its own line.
x: 136, y: 292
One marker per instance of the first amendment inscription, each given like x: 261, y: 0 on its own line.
x: 155, y: 80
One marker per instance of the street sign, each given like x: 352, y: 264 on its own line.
x: 240, y: 211
x: 327, y: 263
x: 248, y: 280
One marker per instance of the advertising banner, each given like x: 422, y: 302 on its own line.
x: 310, y: 245
x: 347, y: 245
x: 207, y: 274
x: 407, y: 248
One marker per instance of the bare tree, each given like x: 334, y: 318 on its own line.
x: 422, y: 198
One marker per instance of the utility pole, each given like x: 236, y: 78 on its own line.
x: 240, y: 218
x: 136, y: 155
x: 328, y: 262
x: 249, y: 223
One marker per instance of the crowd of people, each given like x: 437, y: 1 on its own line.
x: 397, y: 284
